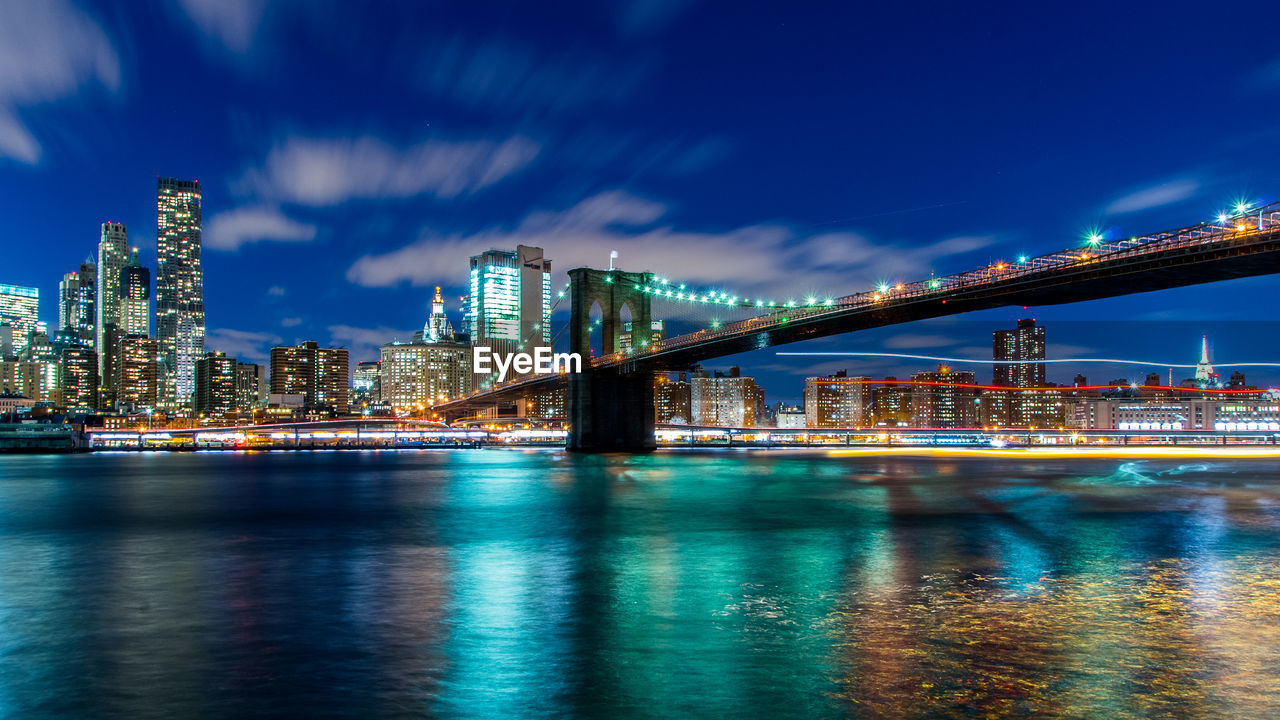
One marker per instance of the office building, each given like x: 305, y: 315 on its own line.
x: 318, y: 374
x: 837, y: 401
x: 180, y: 327
x: 943, y: 399
x: 510, y: 301
x: 78, y: 302
x: 20, y: 310
x: 215, y: 386
x: 136, y: 373
x: 1016, y: 353
x: 78, y: 378
x: 135, y: 298
x: 725, y: 400
x: 415, y: 376
x: 672, y: 399
x: 113, y: 257
x: 251, y: 386
x: 37, y: 380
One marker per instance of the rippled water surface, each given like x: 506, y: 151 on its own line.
x: 515, y: 584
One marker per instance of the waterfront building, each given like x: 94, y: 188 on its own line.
x: 1016, y: 353
x: 20, y: 310
x: 251, y: 386
x: 836, y: 401
x: 180, y: 323
x: 1229, y: 415
x: 548, y: 405
x: 136, y: 382
x: 725, y: 400
x: 672, y: 399
x: 318, y: 374
x: 135, y: 298
x: 78, y: 302
x: 78, y: 378
x: 790, y: 417
x: 891, y: 404
x: 509, y: 306
x: 34, y: 379
x: 415, y: 376
x: 215, y: 386
x: 943, y: 399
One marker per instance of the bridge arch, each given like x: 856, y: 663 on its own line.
x: 612, y: 290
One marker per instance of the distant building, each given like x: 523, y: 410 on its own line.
x: 319, y: 374
x: 215, y: 386
x: 510, y: 302
x: 726, y: 400
x: 20, y: 310
x: 413, y: 377
x: 1015, y: 353
x: 1229, y: 415
x: 943, y: 399
x: 1205, y: 374
x: 135, y: 298
x: 251, y: 386
x: 180, y: 324
x: 656, y: 333
x: 366, y: 384
x: 113, y: 257
x: 790, y: 417
x: 437, y: 328
x: 137, y: 381
x: 891, y: 404
x: 78, y: 378
x: 672, y: 399
x: 37, y: 380
x: 78, y: 302
x: 836, y: 401
x: 548, y: 405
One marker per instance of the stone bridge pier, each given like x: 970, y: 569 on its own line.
x: 609, y: 410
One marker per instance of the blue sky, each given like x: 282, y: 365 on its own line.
x: 353, y: 156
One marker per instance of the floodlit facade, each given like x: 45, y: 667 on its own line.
x: 509, y: 307
x: 20, y: 310
x: 180, y: 327
x: 415, y: 376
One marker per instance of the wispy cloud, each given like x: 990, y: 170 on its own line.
x: 234, y: 228
x: 642, y: 17
x: 1166, y: 193
x: 328, y: 171
x: 49, y: 50
x: 364, y: 343
x: 290, y: 322
x: 243, y: 344
x: 915, y: 341
x: 276, y: 291
x: 233, y: 23
x: 752, y: 258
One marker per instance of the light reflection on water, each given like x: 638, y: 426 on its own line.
x: 718, y: 584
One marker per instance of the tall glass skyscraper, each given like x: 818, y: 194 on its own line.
x: 113, y: 256
x: 19, y: 309
x: 179, y: 288
x: 510, y: 301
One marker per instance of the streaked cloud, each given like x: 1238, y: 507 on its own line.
x: 49, y: 51
x: 243, y: 344
x: 915, y: 341
x: 751, y: 258
x: 235, y: 228
x: 290, y: 322
x: 364, y: 343
x: 1166, y: 193
x: 329, y: 171
x: 233, y: 23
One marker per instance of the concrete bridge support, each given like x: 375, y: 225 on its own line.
x: 609, y: 410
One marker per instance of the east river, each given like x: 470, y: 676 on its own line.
x: 750, y: 584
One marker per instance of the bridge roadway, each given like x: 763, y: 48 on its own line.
x: 1244, y: 246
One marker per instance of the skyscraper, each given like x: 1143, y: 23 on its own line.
x: 179, y: 287
x: 437, y: 327
x: 1015, y: 352
x: 135, y: 368
x: 510, y: 301
x: 135, y: 298
x: 113, y: 256
x: 1205, y: 374
x: 215, y: 385
x: 78, y: 302
x: 20, y: 310
x: 78, y: 378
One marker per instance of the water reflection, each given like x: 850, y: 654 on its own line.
x: 732, y: 584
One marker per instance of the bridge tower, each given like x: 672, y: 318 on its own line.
x: 609, y: 410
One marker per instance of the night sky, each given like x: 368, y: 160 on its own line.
x: 353, y: 155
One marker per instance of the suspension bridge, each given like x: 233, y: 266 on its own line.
x: 610, y: 403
